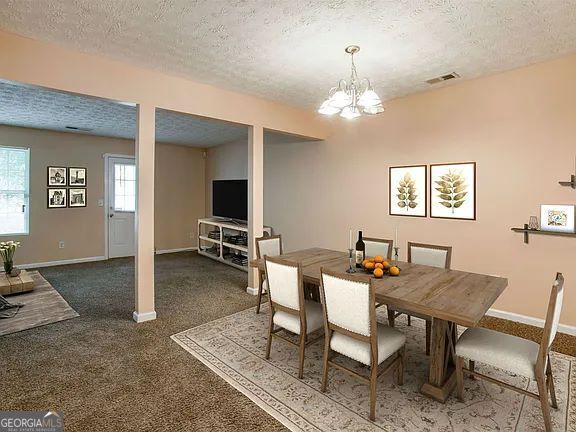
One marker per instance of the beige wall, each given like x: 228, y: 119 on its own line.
x: 179, y: 199
x: 520, y: 128
x: 225, y: 162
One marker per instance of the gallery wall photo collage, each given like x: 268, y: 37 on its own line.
x: 66, y: 187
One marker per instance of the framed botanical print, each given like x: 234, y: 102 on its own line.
x: 407, y: 190
x: 57, y: 197
x: 453, y: 191
x: 56, y: 176
x: 77, y: 197
x: 76, y: 177
x: 559, y: 218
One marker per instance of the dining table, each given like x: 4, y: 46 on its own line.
x: 450, y: 297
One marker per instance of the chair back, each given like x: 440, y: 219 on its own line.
x: 284, y: 283
x: 268, y: 245
x: 349, y: 303
x: 376, y: 246
x: 552, y: 316
x: 430, y: 255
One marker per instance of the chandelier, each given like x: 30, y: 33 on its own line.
x: 354, y: 97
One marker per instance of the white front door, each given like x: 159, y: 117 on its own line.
x: 121, y: 206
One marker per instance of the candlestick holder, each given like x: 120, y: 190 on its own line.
x: 351, y: 268
x: 396, y: 249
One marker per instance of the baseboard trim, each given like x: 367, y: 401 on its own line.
x: 166, y: 251
x: 524, y: 319
x: 62, y: 262
x: 252, y: 291
x: 144, y: 316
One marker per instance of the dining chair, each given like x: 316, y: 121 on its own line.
x: 375, y: 246
x: 430, y: 255
x: 514, y: 354
x: 288, y: 309
x: 350, y: 329
x: 271, y: 246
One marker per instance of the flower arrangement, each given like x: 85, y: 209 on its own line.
x: 7, y: 250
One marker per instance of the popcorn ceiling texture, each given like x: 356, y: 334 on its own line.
x: 39, y: 108
x: 292, y: 50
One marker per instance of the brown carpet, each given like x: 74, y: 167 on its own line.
x: 107, y: 373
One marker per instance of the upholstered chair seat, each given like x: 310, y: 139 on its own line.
x: 500, y: 350
x: 291, y: 322
x: 389, y: 342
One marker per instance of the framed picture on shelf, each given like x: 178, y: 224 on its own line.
x: 57, y: 197
x: 453, y: 190
x: 558, y: 218
x: 56, y: 176
x: 407, y: 190
x: 76, y: 177
x: 77, y: 197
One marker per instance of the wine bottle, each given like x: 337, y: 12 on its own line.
x: 360, y: 250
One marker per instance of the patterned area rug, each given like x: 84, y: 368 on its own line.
x: 44, y: 305
x: 234, y: 347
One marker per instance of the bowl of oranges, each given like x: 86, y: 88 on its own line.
x: 378, y: 267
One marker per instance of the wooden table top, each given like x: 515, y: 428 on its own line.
x: 451, y: 295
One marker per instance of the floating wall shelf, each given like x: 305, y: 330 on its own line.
x: 528, y: 231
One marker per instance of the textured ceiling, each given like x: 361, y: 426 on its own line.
x: 292, y: 50
x: 39, y: 108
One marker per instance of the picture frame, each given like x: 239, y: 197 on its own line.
x: 453, y: 190
x: 77, y: 177
x: 57, y: 198
x: 77, y: 197
x: 408, y: 190
x: 557, y: 218
x: 57, y: 176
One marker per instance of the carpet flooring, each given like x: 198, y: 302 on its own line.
x: 106, y: 373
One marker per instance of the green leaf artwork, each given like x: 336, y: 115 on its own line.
x: 451, y: 189
x: 407, y: 192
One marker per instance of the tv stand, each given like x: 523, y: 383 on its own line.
x: 225, y: 241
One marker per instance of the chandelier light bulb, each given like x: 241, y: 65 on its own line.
x: 347, y: 96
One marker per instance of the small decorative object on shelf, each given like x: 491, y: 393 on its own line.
x: 572, y: 182
x: 533, y: 224
x: 559, y: 218
x: 7, y: 251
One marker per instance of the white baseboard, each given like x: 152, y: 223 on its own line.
x: 166, y: 251
x: 536, y: 322
x: 252, y: 291
x: 144, y: 316
x: 62, y: 262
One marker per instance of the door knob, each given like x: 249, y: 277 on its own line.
x: 111, y: 215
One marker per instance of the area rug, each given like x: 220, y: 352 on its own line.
x: 44, y: 305
x: 234, y: 346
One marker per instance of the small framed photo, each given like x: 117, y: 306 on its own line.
x: 76, y: 177
x: 453, y: 191
x: 77, y: 197
x: 56, y: 176
x: 407, y: 190
x: 57, y: 197
x: 559, y: 218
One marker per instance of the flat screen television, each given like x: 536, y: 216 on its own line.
x: 230, y: 199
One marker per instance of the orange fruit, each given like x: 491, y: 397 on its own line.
x: 386, y: 265
x: 378, y: 272
x: 394, y: 271
x: 378, y: 259
x: 364, y: 263
x: 369, y: 265
x: 379, y: 265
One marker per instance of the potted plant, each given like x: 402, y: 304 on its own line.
x: 7, y: 250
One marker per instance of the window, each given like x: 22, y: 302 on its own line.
x: 14, y: 190
x: 124, y: 187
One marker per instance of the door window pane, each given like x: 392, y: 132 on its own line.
x: 14, y: 190
x: 124, y: 187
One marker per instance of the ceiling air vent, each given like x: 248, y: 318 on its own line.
x: 443, y: 78
x: 78, y: 128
